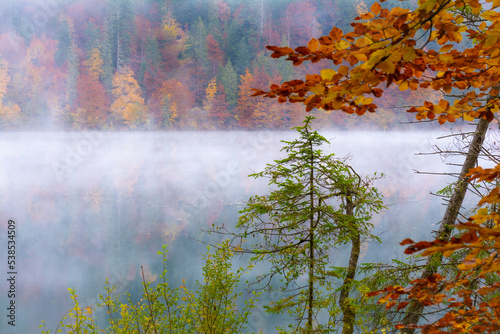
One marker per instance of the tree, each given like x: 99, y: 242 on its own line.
x: 299, y: 22
x: 128, y: 108
x: 229, y: 80
x: 215, y: 54
x: 218, y: 115
x: 384, y: 48
x: 92, y: 103
x: 9, y: 114
x: 210, y: 94
x: 150, y: 73
x: 93, y: 37
x: 246, y: 105
x: 211, y: 308
x: 94, y: 64
x: 121, y: 28
x: 43, y: 82
x: 316, y: 202
x: 198, y: 44
x: 65, y: 39
x: 169, y: 104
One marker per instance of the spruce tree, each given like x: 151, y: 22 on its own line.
x: 198, y: 45
x: 229, y: 79
x: 64, y: 40
x: 121, y: 30
x: 316, y: 202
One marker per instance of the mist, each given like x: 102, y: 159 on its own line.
x: 94, y: 194
x: 95, y: 205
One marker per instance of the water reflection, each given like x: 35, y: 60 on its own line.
x: 91, y: 206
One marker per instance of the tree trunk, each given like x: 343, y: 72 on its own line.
x: 118, y: 42
x: 311, y: 245
x: 261, y: 31
x: 349, y: 316
x: 415, y: 309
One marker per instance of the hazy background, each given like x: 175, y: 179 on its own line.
x: 97, y: 205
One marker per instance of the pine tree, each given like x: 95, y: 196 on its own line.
x: 198, y: 45
x: 214, y: 26
x: 234, y: 35
x: 107, y: 57
x: 243, y: 56
x: 73, y: 72
x: 229, y: 80
x: 93, y: 37
x: 64, y: 40
x: 316, y: 202
x: 121, y: 24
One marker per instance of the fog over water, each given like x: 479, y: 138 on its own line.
x: 97, y: 205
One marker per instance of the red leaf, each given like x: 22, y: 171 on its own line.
x: 325, y: 40
x: 401, y: 306
x: 469, y: 237
x: 406, y: 242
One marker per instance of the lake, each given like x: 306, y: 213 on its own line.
x: 95, y: 205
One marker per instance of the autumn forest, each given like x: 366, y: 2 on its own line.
x: 338, y: 228
x: 163, y: 65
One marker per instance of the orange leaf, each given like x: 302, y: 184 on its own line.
x: 406, y: 242
x: 344, y: 70
x: 446, y: 48
x: 390, y: 304
x: 375, y: 8
x: 469, y: 237
x: 336, y: 34
x: 303, y: 50
x: 394, y: 295
x: 325, y: 40
x: 444, y: 104
x: 313, y: 45
x: 401, y: 306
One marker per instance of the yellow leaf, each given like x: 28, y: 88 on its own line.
x: 404, y: 86
x: 386, y: 66
x: 490, y: 15
x: 446, y: 48
x: 482, y: 211
x: 359, y: 100
x: 467, y: 117
x: 342, y: 45
x: 327, y: 74
x: 318, y: 89
x: 409, y: 55
x: 398, y: 11
x: 457, y: 37
x: 360, y: 57
x: 362, y: 42
x: 492, y: 39
x: 313, y: 45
